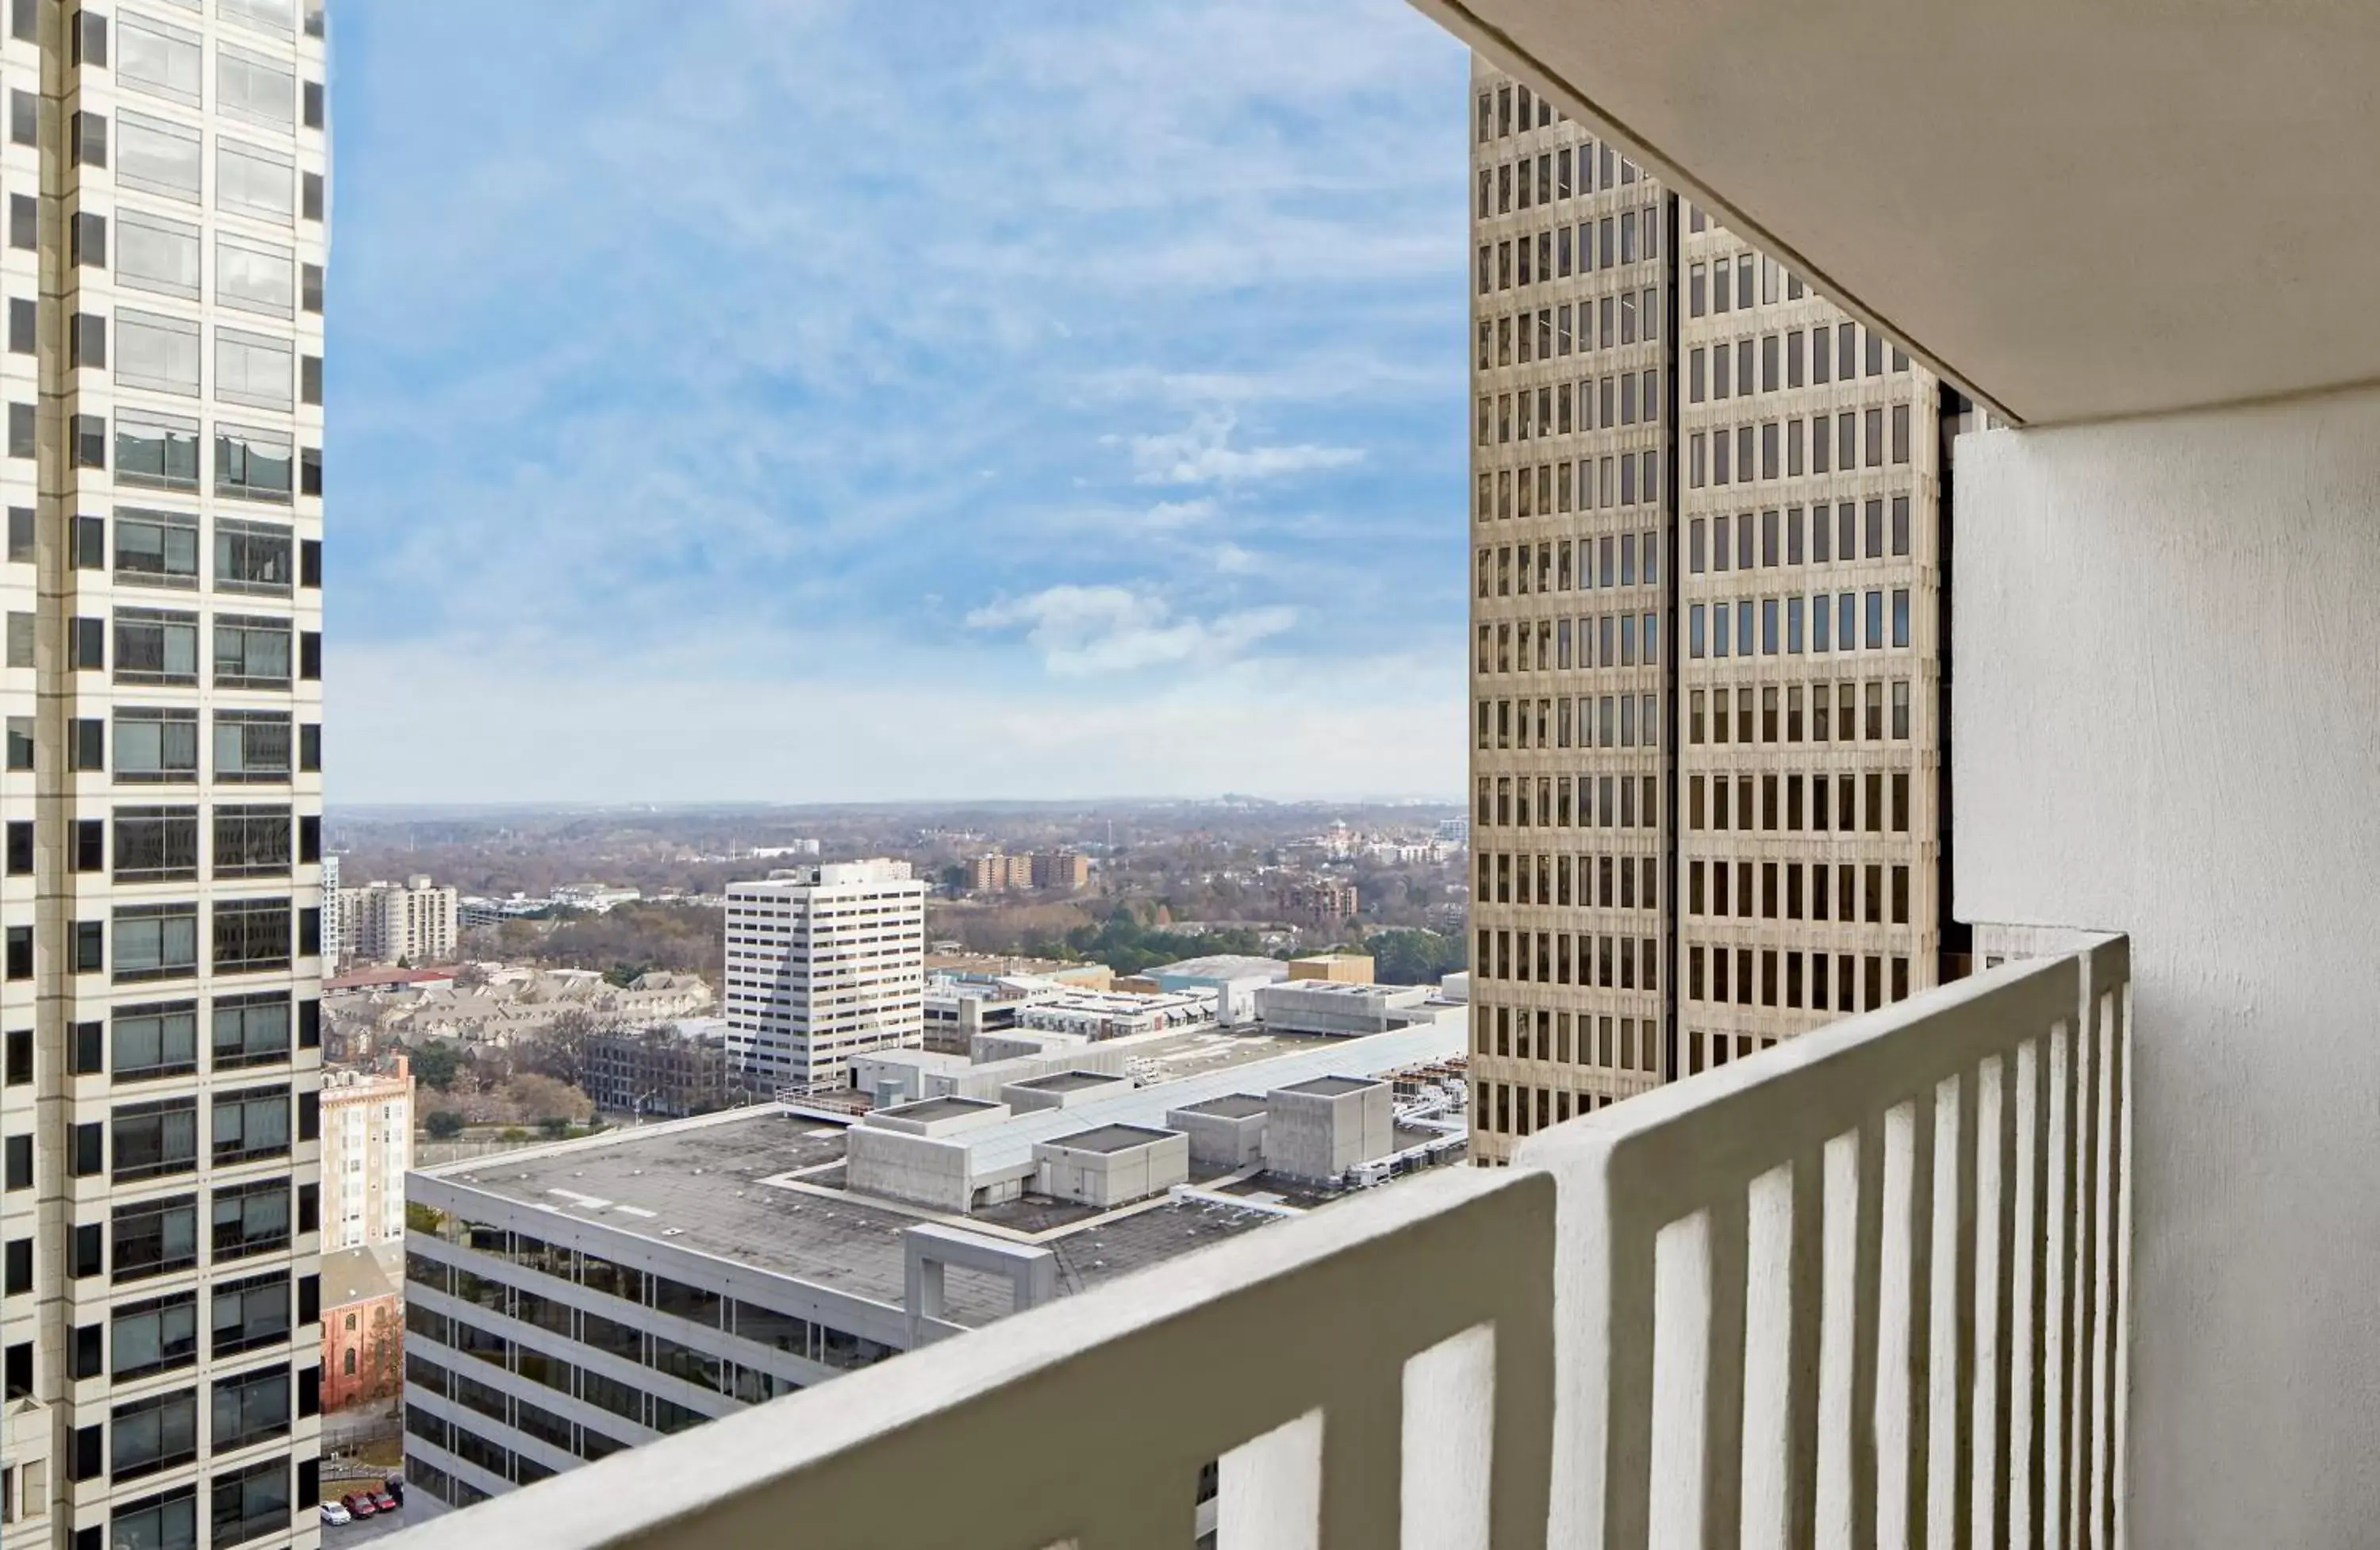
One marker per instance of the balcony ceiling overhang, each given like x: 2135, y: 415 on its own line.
x: 2078, y: 208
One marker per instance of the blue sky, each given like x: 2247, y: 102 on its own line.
x: 810, y: 401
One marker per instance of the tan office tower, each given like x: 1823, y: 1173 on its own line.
x: 1706, y: 601
x: 165, y: 175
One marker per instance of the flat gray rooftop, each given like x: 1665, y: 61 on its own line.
x: 1111, y: 1138
x: 1069, y: 1082
x: 696, y: 1185
x: 1332, y: 1086
x: 1231, y: 1105
x: 944, y: 1108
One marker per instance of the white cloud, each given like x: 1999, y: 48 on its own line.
x: 1182, y: 513
x: 1231, y: 560
x: 1202, y: 454
x: 1084, y: 631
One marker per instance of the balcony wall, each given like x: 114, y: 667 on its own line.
x: 2168, y: 715
x: 1859, y: 1288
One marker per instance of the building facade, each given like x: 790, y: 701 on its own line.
x: 335, y: 935
x: 363, y: 1328
x: 1707, y: 600
x: 367, y: 1149
x: 165, y: 172
x: 671, y: 1069
x: 822, y: 965
x: 413, y: 922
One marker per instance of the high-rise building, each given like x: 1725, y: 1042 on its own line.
x: 413, y: 922
x: 334, y: 933
x: 823, y: 965
x: 165, y: 174
x: 367, y: 1147
x: 1707, y: 602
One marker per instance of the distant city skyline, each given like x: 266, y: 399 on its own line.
x: 808, y: 403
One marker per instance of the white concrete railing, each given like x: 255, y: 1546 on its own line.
x: 1864, y: 1288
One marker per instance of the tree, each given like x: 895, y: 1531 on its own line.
x: 559, y: 1050
x: 1406, y: 957
x: 555, y: 1126
x: 435, y: 1064
x: 383, y: 1363
x: 470, y: 977
x: 445, y: 1124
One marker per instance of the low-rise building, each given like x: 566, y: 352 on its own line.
x: 670, y: 1069
x: 363, y: 1328
x: 1234, y: 979
x: 1338, y: 1010
x: 1346, y: 968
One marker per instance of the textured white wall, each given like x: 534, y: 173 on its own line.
x: 2167, y: 720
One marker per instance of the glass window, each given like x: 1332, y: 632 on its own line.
x: 161, y: 746
x: 158, y: 450
x: 250, y: 180
x: 276, y: 17
x: 156, y: 1038
x: 154, y: 1434
x: 249, y: 1408
x: 155, y: 941
x: 157, y: 844
x: 254, y: 276
x: 250, y: 1220
x: 153, y: 1335
x: 148, y: 1140
x: 255, y: 87
x: 250, y: 652
x: 250, y: 841
x: 157, y: 157
x: 157, y: 352
x: 156, y: 549
x: 255, y: 369
x: 155, y: 254
x: 154, y: 1238
x: 249, y: 1504
x: 251, y: 1123
x: 156, y: 646
x: 250, y: 746
x: 165, y: 1521
x: 154, y: 57
x: 252, y: 464
x: 251, y: 1030
x: 251, y: 933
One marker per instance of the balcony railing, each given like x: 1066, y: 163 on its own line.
x: 1867, y: 1287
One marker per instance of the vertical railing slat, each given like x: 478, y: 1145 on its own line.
x: 1723, y: 1371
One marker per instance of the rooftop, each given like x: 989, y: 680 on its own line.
x: 1225, y: 965
x: 1231, y: 1105
x: 1113, y: 1138
x: 1069, y: 1082
x: 720, y: 1186
x: 1330, y: 1086
x: 937, y: 1108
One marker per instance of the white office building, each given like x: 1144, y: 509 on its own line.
x: 824, y: 962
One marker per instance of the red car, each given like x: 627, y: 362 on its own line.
x: 382, y: 1502
x: 359, y: 1504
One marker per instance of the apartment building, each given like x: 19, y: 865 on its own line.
x: 1707, y: 600
x: 822, y: 965
x: 413, y: 922
x: 165, y: 172
x: 367, y: 1149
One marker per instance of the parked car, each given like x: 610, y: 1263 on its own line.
x: 333, y: 1515
x: 383, y: 1502
x: 357, y: 1504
